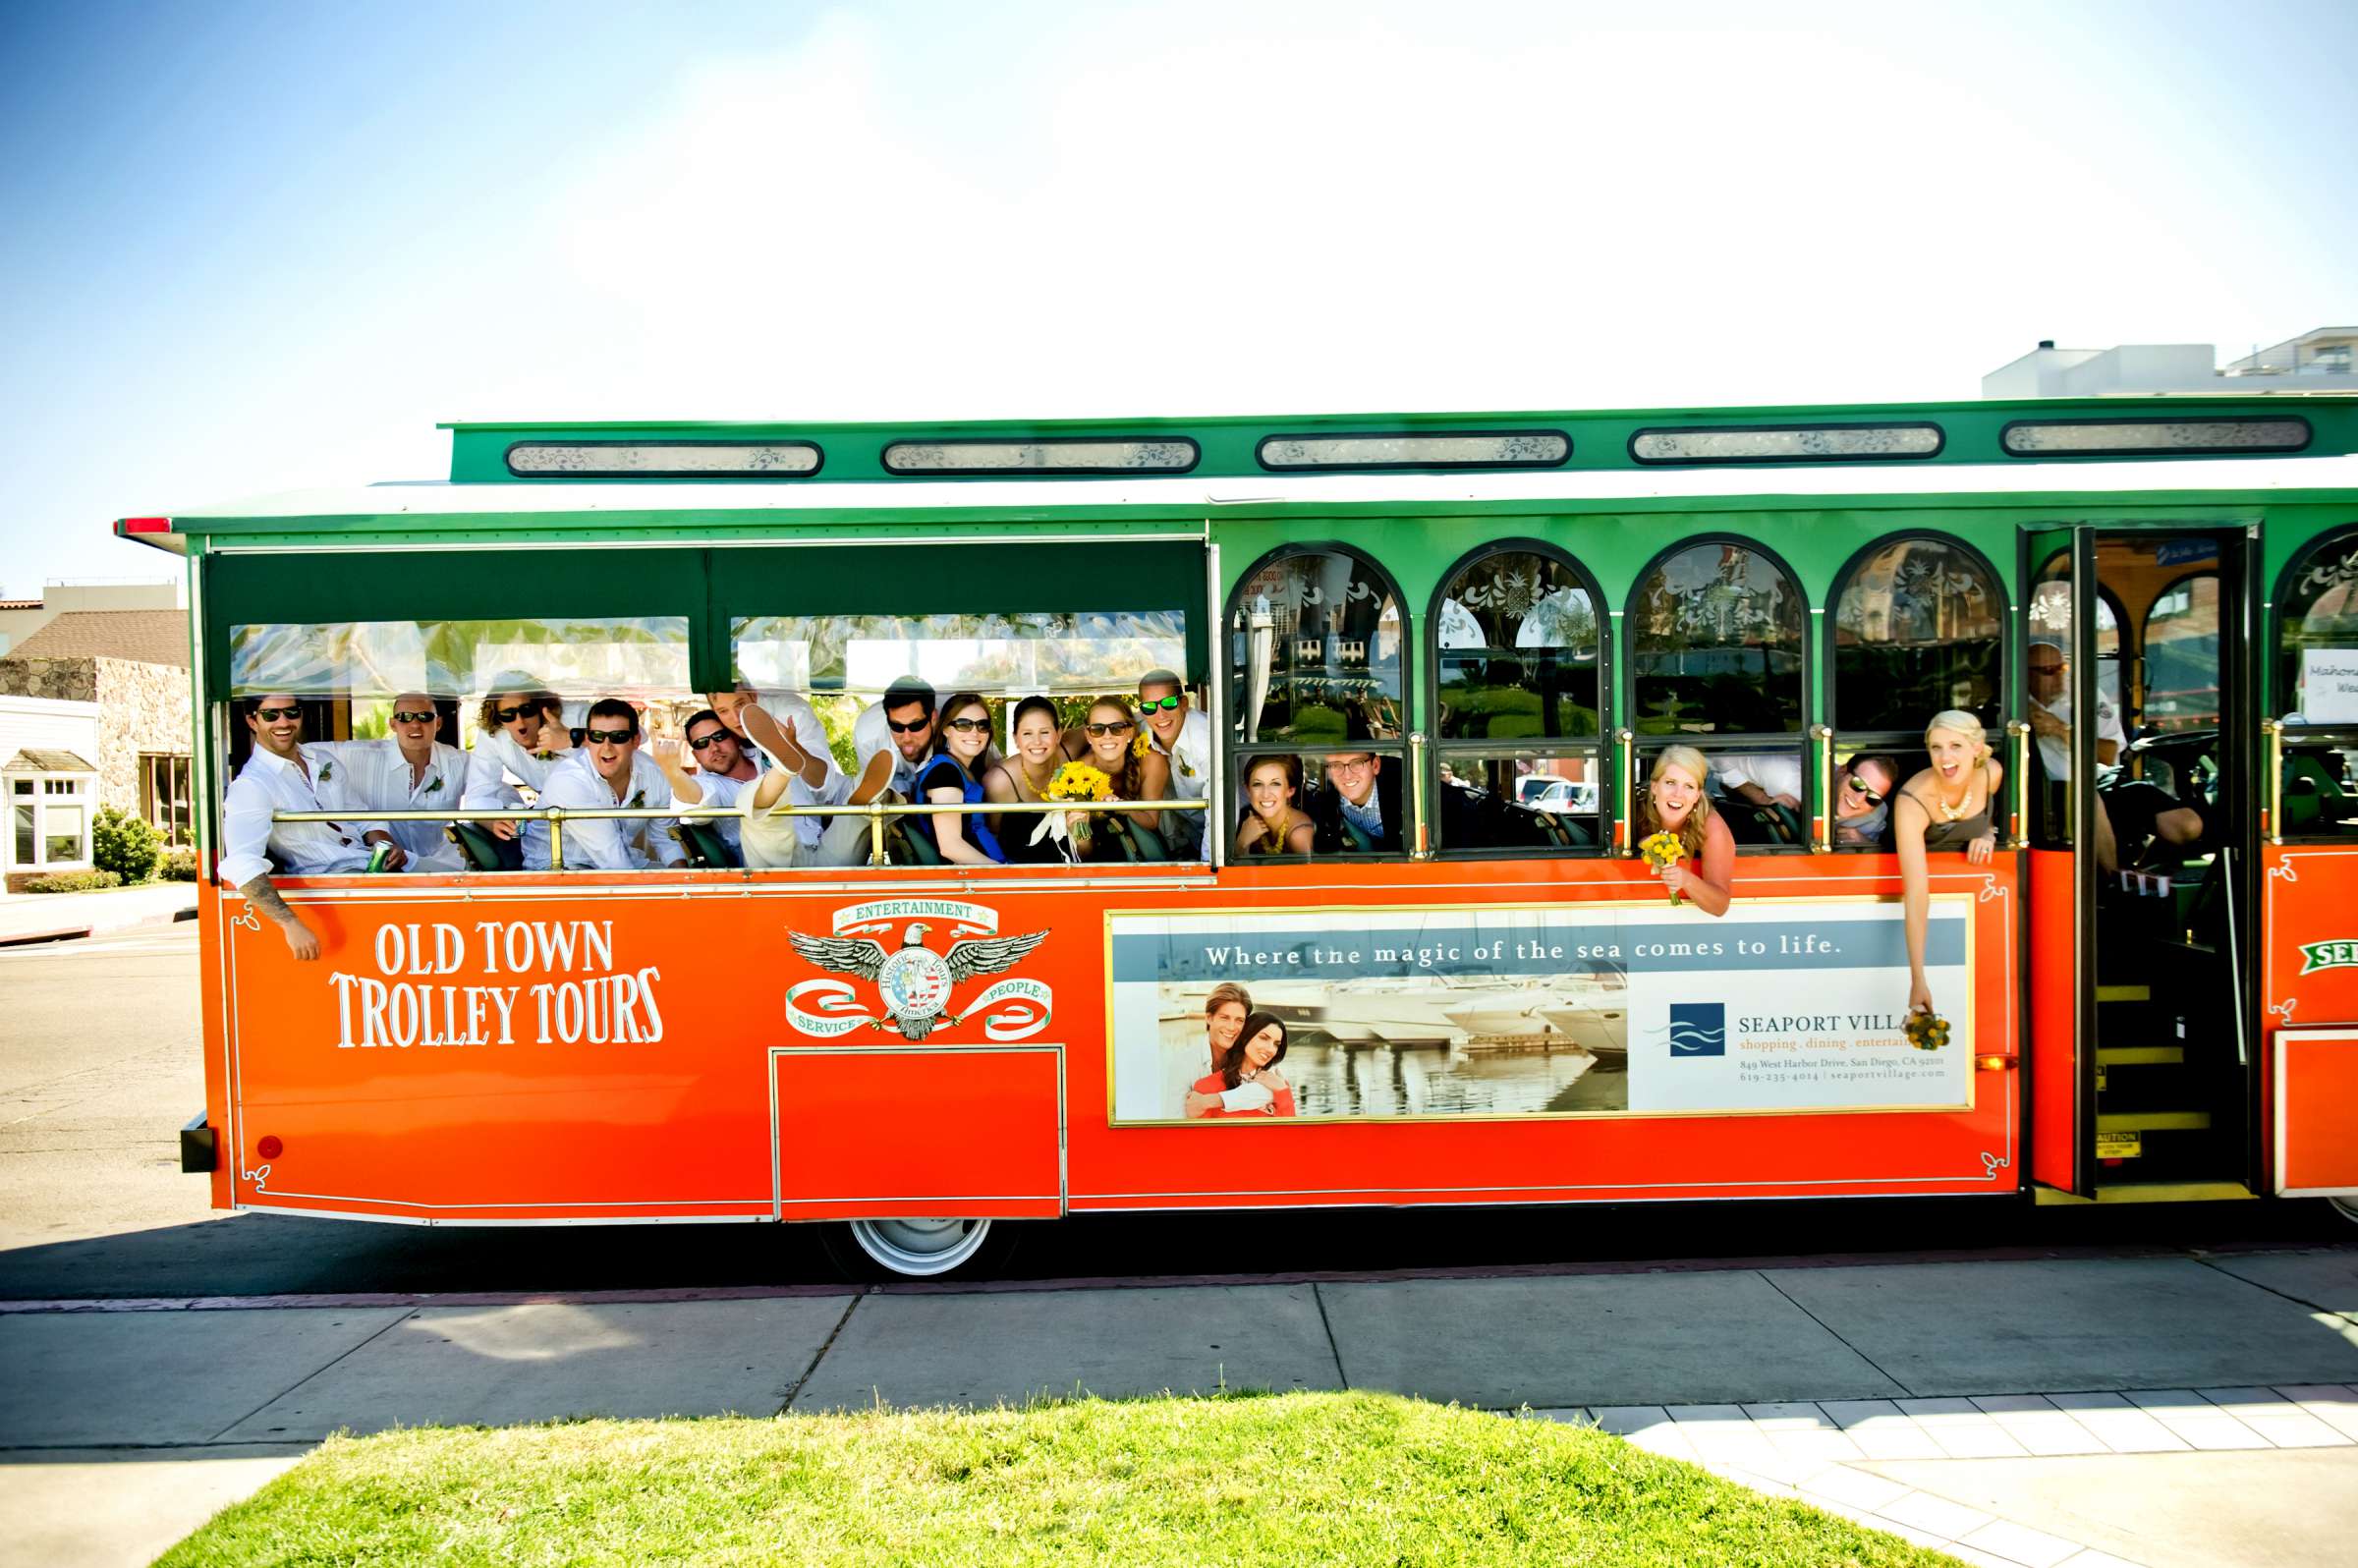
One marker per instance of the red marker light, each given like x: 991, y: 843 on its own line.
x: 269, y: 1147
x: 146, y: 525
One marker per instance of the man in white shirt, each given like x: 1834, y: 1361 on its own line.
x: 523, y: 736
x: 411, y: 771
x: 1182, y: 734
x: 784, y: 736
x: 279, y: 777
x: 1764, y: 778
x: 607, y: 770
x: 892, y: 742
x: 2051, y: 713
x: 723, y: 770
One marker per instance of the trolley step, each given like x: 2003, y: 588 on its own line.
x: 2125, y: 993
x: 2152, y: 1121
x: 2140, y: 1056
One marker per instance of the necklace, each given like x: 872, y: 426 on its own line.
x: 1948, y: 813
x: 1023, y: 771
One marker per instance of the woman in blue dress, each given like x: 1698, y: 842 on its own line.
x: 954, y: 777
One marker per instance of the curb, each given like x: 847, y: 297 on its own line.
x: 69, y: 934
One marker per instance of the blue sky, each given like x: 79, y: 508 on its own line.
x: 254, y: 246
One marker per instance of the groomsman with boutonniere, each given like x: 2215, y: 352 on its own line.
x: 411, y: 770
x: 1183, y: 736
x: 523, y: 736
x: 607, y: 769
x: 281, y: 776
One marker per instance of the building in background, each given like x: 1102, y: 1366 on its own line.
x: 2318, y: 360
x: 20, y: 618
x: 119, y: 680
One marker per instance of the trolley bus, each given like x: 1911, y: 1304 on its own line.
x: 1485, y: 996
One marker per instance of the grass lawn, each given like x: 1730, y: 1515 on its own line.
x: 1286, y: 1479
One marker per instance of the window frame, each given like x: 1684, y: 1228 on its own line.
x: 2279, y: 686
x: 1440, y: 749
x: 1232, y: 751
x: 1641, y: 748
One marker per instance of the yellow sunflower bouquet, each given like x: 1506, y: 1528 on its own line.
x: 1660, y: 850
x: 1926, y: 1031
x: 1074, y: 781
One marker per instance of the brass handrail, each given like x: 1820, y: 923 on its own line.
x: 1627, y: 741
x: 2272, y: 827
x: 875, y: 812
x: 1822, y: 828
x: 2020, y: 730
x: 1421, y: 833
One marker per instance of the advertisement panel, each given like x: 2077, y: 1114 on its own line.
x: 1534, y: 1010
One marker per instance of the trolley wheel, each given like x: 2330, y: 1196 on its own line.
x: 918, y: 1248
x: 2347, y: 1208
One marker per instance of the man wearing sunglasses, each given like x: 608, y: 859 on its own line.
x: 1862, y: 801
x: 409, y: 772
x: 1182, y: 735
x: 524, y: 736
x: 280, y: 776
x: 715, y: 770
x: 606, y: 770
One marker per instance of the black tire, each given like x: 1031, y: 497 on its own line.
x: 918, y: 1248
x: 2346, y: 1207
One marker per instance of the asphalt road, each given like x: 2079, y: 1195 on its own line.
x: 99, y: 1066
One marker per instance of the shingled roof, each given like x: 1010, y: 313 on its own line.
x: 144, y: 637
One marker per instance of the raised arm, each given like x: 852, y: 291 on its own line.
x: 246, y: 865
x: 1909, y: 819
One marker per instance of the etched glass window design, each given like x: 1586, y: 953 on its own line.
x: 1039, y: 457
x: 1314, y: 652
x: 663, y: 460
x: 1715, y: 634
x: 572, y: 656
x: 1527, y: 449
x: 1517, y: 650
x: 2317, y: 633
x: 2133, y: 437
x: 1826, y: 443
x: 1919, y: 628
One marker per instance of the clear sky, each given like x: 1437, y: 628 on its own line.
x: 251, y: 246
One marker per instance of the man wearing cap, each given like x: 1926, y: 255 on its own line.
x: 607, y: 770
x: 279, y: 777
x: 523, y: 736
x: 409, y: 772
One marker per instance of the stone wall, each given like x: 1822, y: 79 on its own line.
x: 141, y: 708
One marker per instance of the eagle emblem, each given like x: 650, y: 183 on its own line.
x: 914, y: 981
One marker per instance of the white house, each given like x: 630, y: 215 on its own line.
x: 49, y: 785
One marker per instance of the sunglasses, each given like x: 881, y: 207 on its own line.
x: 1858, y: 787
x: 708, y: 738
x: 898, y: 728
x: 272, y: 716
x: 1120, y: 727
x: 616, y: 736
x: 1147, y: 705
x: 509, y: 715
x: 966, y: 726
x: 426, y: 717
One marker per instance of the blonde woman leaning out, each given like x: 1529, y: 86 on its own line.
x: 1675, y: 802
x: 1945, y: 808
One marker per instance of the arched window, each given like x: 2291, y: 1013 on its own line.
x: 2315, y: 681
x: 1919, y: 626
x: 1718, y: 659
x: 1519, y: 688
x: 1318, y: 672
x: 2317, y: 633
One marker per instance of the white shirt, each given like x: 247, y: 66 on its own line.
x: 374, y: 775
x: 1191, y: 757
x: 719, y: 789
x: 268, y: 783
x: 801, y: 719
x: 498, y: 765
x: 1775, y: 772
x: 2055, y: 750
x: 611, y: 844
x: 872, y: 735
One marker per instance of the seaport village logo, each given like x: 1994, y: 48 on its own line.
x: 913, y: 982
x: 2341, y: 954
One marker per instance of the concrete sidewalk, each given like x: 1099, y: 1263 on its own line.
x: 2159, y: 1411
x: 58, y: 916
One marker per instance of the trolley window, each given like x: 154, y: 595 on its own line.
x: 1718, y: 657
x: 2316, y: 676
x: 1318, y: 671
x: 2050, y: 438
x: 1518, y: 663
x: 1793, y: 443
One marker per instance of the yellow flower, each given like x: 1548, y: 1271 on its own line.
x: 1927, y: 1032
x: 1077, y: 781
x: 1661, y: 848
x: 1141, y: 746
